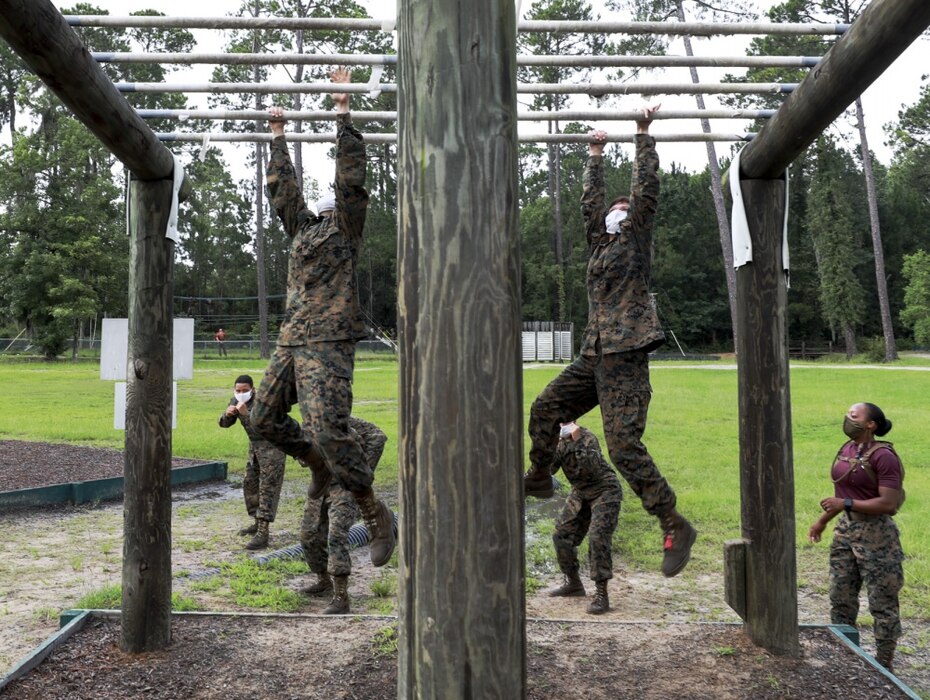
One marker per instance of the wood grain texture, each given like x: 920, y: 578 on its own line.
x: 881, y: 33
x: 40, y: 35
x: 734, y: 575
x: 766, y: 469
x: 462, y: 601
x: 146, y: 620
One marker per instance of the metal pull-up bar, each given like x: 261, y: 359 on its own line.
x: 388, y: 25
x: 390, y: 116
x: 304, y: 137
x: 579, y: 61
x: 593, y: 89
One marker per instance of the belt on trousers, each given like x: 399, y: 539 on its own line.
x: 862, y: 517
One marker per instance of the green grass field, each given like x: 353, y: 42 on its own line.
x: 692, y: 434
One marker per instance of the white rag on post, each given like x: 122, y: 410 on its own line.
x: 739, y: 224
x: 172, y: 230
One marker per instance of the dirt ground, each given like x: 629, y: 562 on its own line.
x: 51, y: 557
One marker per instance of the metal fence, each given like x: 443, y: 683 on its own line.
x: 547, y: 341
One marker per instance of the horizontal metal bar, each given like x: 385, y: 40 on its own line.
x: 554, y: 115
x: 591, y: 27
x: 391, y: 59
x: 593, y: 89
x: 226, y: 137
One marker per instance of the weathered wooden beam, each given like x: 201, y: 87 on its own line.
x: 146, y: 620
x: 462, y: 599
x: 734, y: 575
x: 36, y: 31
x: 766, y: 469
x: 881, y: 33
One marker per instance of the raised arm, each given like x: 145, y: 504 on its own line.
x: 644, y: 190
x: 281, y: 178
x: 593, y: 206
x: 351, y: 166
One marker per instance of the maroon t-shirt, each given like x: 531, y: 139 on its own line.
x: 858, y: 485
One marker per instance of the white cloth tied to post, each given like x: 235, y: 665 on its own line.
x: 739, y: 224
x: 172, y: 230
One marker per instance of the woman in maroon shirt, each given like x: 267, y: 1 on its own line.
x: 867, y: 476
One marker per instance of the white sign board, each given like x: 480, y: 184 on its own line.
x: 119, y: 406
x: 114, y: 348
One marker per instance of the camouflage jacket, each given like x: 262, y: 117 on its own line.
x: 371, y: 438
x: 584, y: 466
x: 228, y: 421
x: 321, y: 299
x: 621, y: 313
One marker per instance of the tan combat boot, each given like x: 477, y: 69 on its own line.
x: 884, y: 653
x: 571, y: 587
x: 322, y: 587
x: 380, y: 523
x: 339, y: 605
x: 260, y: 540
x: 600, y: 604
x: 251, y: 529
x: 538, y: 483
x: 679, y: 536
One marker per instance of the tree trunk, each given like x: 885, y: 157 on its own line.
x: 849, y: 337
x: 462, y: 598
x: 146, y: 603
x: 716, y: 189
x: 891, y: 350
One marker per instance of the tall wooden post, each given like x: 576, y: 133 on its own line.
x: 462, y: 617
x: 766, y: 468
x: 146, y: 619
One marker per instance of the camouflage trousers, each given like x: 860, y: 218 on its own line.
x: 317, y: 376
x: 619, y: 383
x: 595, y: 518
x: 324, y: 531
x: 867, y: 552
x: 264, y: 475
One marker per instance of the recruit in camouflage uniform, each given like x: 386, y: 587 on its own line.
x: 866, y: 547
x: 591, y: 509
x: 324, y: 531
x: 264, y: 473
x: 613, y: 368
x: 322, y: 323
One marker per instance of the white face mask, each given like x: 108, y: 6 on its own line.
x: 244, y: 397
x: 565, y: 432
x: 613, y: 220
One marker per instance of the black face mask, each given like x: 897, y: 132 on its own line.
x: 852, y: 429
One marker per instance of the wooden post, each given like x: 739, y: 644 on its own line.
x: 146, y: 619
x: 462, y: 600
x: 39, y: 34
x: 766, y: 470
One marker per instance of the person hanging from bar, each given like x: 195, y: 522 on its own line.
x: 264, y: 469
x: 868, y: 480
x: 623, y: 327
x: 322, y: 323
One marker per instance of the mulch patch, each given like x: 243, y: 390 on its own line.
x: 227, y: 658
x: 27, y: 465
